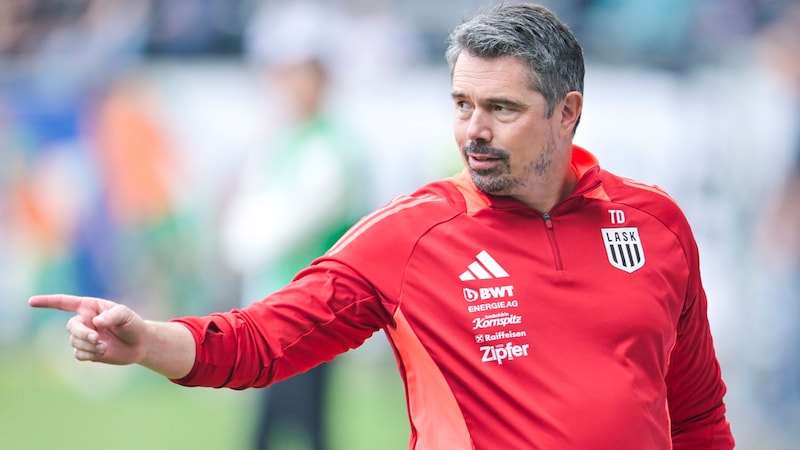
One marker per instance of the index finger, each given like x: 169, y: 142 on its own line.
x: 63, y: 302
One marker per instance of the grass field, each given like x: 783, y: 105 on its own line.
x: 50, y: 401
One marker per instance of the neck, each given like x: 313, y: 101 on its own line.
x: 551, y: 190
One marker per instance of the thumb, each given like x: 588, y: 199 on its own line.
x: 117, y: 315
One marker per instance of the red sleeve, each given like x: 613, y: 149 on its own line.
x: 695, y: 388
x: 327, y: 310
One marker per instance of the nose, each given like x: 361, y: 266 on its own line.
x: 479, y: 127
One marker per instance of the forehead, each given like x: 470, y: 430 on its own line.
x: 473, y: 75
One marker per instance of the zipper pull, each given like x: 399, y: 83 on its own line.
x: 547, y: 222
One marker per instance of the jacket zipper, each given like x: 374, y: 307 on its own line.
x: 552, y: 236
x: 548, y: 223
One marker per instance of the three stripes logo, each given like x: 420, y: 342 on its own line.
x: 624, y: 248
x: 484, y: 268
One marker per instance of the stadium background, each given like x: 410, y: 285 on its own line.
x: 697, y: 96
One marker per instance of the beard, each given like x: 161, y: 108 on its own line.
x: 499, y: 180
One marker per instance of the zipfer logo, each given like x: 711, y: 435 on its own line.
x: 484, y: 268
x: 503, y: 352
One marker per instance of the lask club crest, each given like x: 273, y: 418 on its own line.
x: 624, y: 248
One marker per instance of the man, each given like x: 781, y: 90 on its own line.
x: 534, y: 301
x: 308, y: 179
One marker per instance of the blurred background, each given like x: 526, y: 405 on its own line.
x: 126, y: 127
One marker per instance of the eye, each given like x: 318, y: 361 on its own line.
x: 501, y: 108
x: 463, y: 108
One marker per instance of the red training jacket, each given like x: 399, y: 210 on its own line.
x: 584, y: 328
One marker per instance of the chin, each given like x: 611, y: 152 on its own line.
x: 491, y: 185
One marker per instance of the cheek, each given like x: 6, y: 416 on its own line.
x: 459, y: 132
x: 524, y: 149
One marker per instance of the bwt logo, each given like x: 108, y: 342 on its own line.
x: 471, y: 295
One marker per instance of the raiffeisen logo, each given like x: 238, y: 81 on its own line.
x: 503, y: 352
x: 487, y: 293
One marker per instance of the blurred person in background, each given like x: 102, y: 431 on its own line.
x: 533, y: 300
x: 56, y: 57
x: 140, y: 170
x: 778, y: 244
x: 296, y: 196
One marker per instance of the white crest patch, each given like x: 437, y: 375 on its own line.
x: 624, y: 248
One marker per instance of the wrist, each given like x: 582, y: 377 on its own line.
x: 167, y: 348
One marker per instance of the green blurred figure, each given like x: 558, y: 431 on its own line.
x: 294, y: 201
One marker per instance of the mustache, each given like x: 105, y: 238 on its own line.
x: 482, y: 148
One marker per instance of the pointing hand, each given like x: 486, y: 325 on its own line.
x: 101, y: 330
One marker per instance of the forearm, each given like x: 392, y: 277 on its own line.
x: 169, y: 349
x: 272, y: 339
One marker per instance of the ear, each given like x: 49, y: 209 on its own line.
x: 571, y: 109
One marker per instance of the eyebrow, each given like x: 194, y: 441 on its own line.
x: 504, y: 102
x: 492, y: 100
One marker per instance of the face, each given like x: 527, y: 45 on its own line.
x: 507, y: 141
x: 303, y: 84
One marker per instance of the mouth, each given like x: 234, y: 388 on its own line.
x: 482, y: 161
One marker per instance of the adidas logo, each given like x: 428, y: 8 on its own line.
x: 485, y: 268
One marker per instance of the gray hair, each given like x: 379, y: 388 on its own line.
x: 531, y: 33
